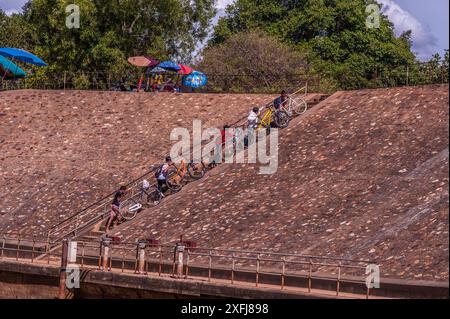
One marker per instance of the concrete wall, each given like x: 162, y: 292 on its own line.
x: 21, y: 280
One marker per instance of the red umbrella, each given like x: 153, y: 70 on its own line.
x: 143, y: 61
x: 185, y: 69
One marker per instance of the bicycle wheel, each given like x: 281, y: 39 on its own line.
x: 154, y: 197
x: 174, y: 181
x: 130, y: 208
x: 298, y: 106
x: 196, y: 170
x: 281, y: 119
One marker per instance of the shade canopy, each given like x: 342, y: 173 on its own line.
x: 21, y: 55
x: 157, y: 70
x: 9, y: 70
x: 143, y: 61
x: 195, y: 79
x: 170, y: 66
x: 184, y: 69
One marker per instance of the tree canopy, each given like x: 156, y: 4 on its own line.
x: 333, y: 33
x: 253, y: 62
x: 328, y: 38
x: 111, y: 31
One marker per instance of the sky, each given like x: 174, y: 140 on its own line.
x: 428, y: 20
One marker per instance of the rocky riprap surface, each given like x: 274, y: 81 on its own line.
x: 364, y: 175
x: 62, y: 151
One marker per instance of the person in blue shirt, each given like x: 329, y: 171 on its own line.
x: 281, y: 101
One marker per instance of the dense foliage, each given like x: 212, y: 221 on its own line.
x: 333, y: 34
x: 259, y: 45
x: 110, y: 31
x: 248, y: 62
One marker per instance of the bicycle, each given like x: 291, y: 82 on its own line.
x: 131, y: 206
x: 177, y: 176
x: 280, y: 118
x: 297, y: 106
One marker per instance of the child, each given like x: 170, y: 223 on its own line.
x: 252, y: 120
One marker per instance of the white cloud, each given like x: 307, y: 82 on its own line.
x: 221, y: 4
x: 10, y: 5
x: 11, y: 12
x: 424, y: 43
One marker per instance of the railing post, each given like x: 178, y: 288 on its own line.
x: 100, y: 253
x: 105, y: 245
x: 32, y: 250
x: 123, y: 260
x: 82, y: 254
x: 180, y: 250
x: 3, y: 244
x: 62, y: 274
x: 283, y: 272
x: 310, y: 275
x: 187, y: 264
x: 160, y: 261
x: 47, y: 249
x: 140, y: 256
x: 18, y: 248
x: 257, y: 270
x: 210, y: 266
x: 233, y: 268
x: 338, y: 279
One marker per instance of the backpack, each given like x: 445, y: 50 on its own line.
x: 158, y: 171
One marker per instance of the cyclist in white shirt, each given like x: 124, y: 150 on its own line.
x: 161, y: 173
x: 252, y: 119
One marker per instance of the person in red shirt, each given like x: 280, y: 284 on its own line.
x: 226, y: 135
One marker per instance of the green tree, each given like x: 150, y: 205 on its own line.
x: 333, y: 32
x: 110, y: 31
x: 14, y: 31
x: 253, y: 62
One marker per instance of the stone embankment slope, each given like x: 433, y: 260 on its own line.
x: 363, y: 175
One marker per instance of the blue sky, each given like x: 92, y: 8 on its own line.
x: 428, y: 19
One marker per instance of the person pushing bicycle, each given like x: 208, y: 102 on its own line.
x: 253, y: 117
x: 162, y: 172
x: 281, y: 101
x: 115, y: 214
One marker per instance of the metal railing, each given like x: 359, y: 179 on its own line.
x: 287, y: 271
x: 94, y: 213
x: 34, y: 249
x: 419, y: 73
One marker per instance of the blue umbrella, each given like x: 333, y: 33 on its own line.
x: 169, y: 65
x: 21, y: 55
x: 9, y: 70
x: 157, y: 70
x: 195, y: 79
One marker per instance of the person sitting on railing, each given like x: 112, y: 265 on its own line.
x: 115, y: 214
x: 281, y: 101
